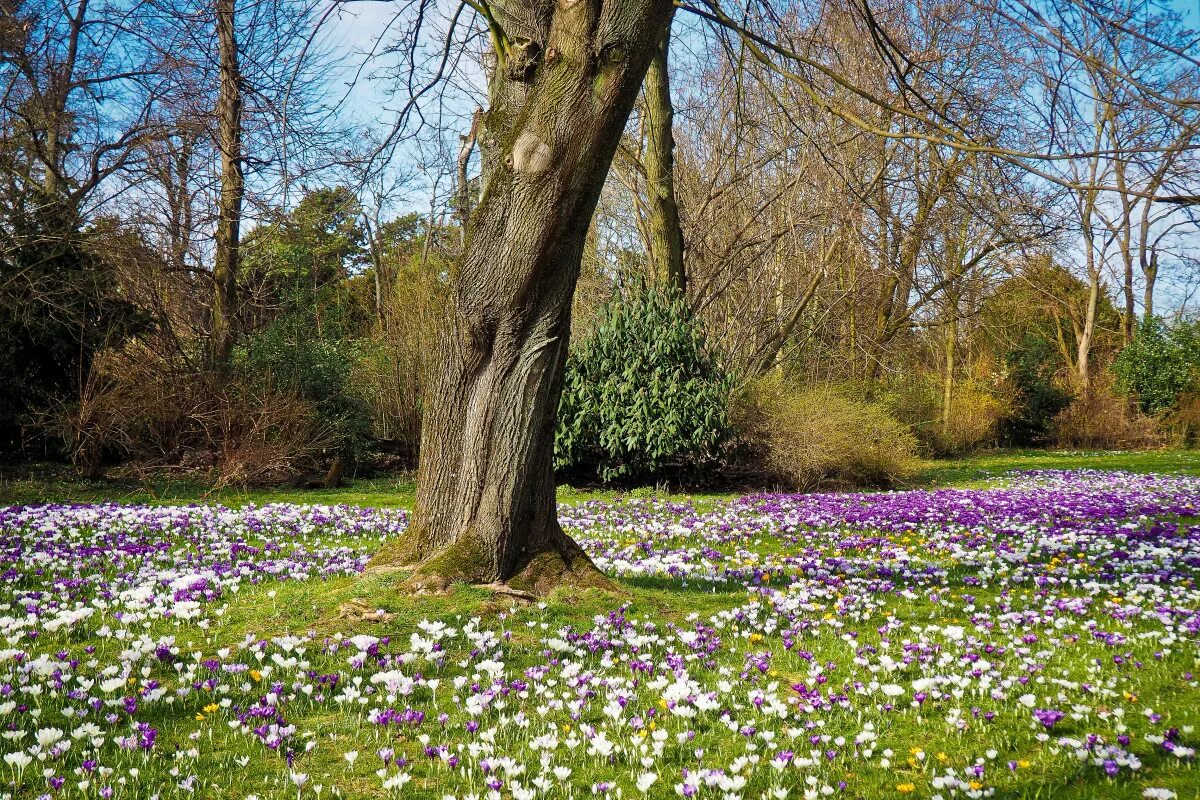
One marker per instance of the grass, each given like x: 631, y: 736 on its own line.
x: 55, y: 483
x: 976, y: 470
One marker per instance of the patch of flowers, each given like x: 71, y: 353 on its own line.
x: 999, y: 642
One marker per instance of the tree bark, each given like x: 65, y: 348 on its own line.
x: 566, y: 79
x: 1083, y: 370
x: 950, y: 346
x: 1150, y: 272
x: 229, y: 211
x: 466, y: 145
x: 666, y: 235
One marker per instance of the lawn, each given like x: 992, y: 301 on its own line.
x: 1034, y: 635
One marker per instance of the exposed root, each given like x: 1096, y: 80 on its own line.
x: 423, y: 583
x: 558, y: 564
x: 377, y: 570
x: 359, y: 610
x: 562, y: 565
x: 508, y: 591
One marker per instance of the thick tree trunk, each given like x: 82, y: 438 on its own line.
x: 666, y: 235
x: 229, y: 211
x: 566, y: 79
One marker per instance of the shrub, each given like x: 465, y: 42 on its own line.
x: 643, y: 397
x: 803, y: 438
x: 157, y: 412
x: 1181, y: 427
x: 317, y: 370
x: 1036, y: 399
x: 1157, y: 366
x: 973, y: 422
x: 386, y: 376
x: 1101, y: 418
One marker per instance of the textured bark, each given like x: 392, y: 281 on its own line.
x: 666, y: 235
x: 1087, y: 332
x: 566, y: 78
x: 229, y: 211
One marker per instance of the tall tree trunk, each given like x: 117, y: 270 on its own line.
x: 229, y: 211
x: 950, y: 347
x: 566, y: 79
x: 666, y: 235
x: 1087, y: 333
x: 57, y: 102
x: 1150, y: 273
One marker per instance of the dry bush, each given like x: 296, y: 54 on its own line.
x: 390, y: 370
x: 803, y: 438
x: 1181, y: 427
x: 263, y: 436
x: 1103, y: 419
x: 133, y: 405
x: 973, y: 422
x: 386, y: 375
x: 158, y: 412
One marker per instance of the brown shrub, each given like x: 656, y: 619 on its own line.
x: 1181, y: 427
x: 973, y: 422
x: 974, y: 419
x: 158, y: 412
x: 802, y: 438
x: 1101, y: 418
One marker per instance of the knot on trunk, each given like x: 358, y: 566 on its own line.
x: 530, y: 154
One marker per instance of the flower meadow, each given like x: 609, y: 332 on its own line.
x: 1038, y: 638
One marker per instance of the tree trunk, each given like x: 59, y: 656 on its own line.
x: 466, y: 145
x: 1087, y: 333
x: 229, y: 211
x: 1150, y: 272
x: 565, y: 82
x: 950, y: 345
x: 1129, y: 313
x: 666, y: 235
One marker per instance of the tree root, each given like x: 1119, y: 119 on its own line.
x: 508, y: 591
x: 359, y: 610
x: 555, y: 562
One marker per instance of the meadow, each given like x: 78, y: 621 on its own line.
x: 1031, y: 632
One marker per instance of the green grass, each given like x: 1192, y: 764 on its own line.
x: 975, y: 470
x: 56, y: 483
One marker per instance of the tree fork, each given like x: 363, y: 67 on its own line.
x: 486, y: 510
